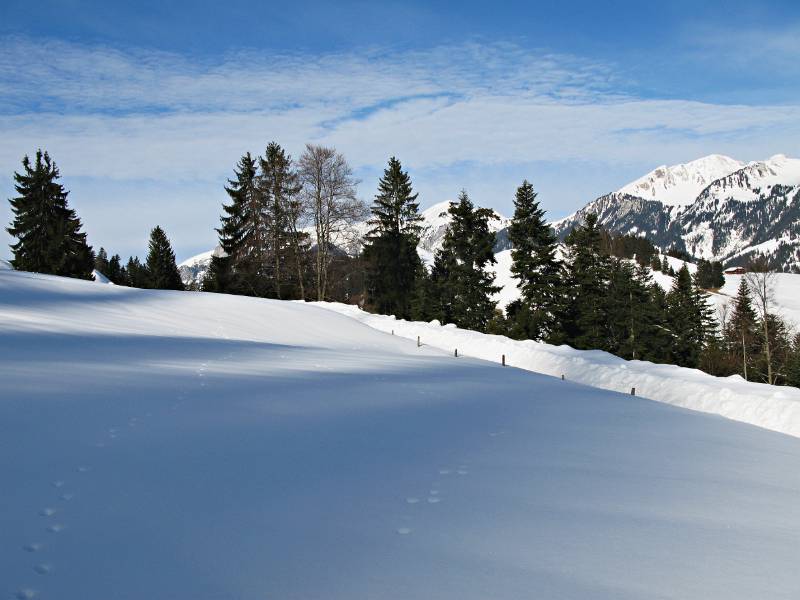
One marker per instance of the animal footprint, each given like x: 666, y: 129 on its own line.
x: 434, y: 500
x: 412, y: 500
x: 83, y: 469
x: 25, y: 594
x: 403, y: 530
x: 32, y: 547
x: 55, y: 528
x: 47, y: 512
x: 43, y: 569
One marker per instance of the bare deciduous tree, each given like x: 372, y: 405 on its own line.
x: 761, y: 282
x: 329, y: 196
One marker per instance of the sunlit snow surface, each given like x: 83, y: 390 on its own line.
x: 168, y: 445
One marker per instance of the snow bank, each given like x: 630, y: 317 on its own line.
x: 770, y: 407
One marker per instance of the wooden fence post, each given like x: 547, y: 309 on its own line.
x: 633, y: 391
x: 504, y: 360
x: 562, y: 377
x: 418, y: 342
x: 456, y: 353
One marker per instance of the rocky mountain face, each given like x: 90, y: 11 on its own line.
x: 752, y: 210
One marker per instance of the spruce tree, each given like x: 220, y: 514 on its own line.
x: 116, y: 272
x: 161, y: 267
x: 279, y: 185
x: 101, y: 261
x: 534, y: 266
x: 390, y: 251
x: 665, y: 268
x: 243, y: 231
x: 464, y: 286
x: 741, y: 331
x: 138, y: 276
x: 48, y: 231
x: 690, y: 319
x: 587, y: 278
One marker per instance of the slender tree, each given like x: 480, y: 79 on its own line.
x: 390, y: 252
x: 534, y: 266
x: 464, y: 285
x: 329, y: 195
x: 48, y: 232
x: 162, y: 269
x: 280, y: 185
x: 741, y: 329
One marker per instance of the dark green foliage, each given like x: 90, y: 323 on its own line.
x: 710, y: 275
x: 101, y: 261
x: 463, y: 288
x: 588, y: 273
x: 655, y: 263
x: 116, y: 272
x: 162, y: 270
x: 629, y: 246
x: 535, y: 267
x: 691, y: 321
x: 48, y: 232
x: 138, y: 276
x: 741, y: 332
x: 278, y: 185
x: 390, y: 253
x: 665, y: 268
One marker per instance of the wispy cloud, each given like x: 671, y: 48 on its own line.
x: 468, y: 112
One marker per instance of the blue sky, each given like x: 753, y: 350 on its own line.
x: 147, y: 106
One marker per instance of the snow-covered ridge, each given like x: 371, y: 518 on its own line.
x: 770, y: 407
x: 679, y: 185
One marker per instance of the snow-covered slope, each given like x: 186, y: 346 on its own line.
x: 679, y: 185
x: 715, y: 208
x: 179, y: 445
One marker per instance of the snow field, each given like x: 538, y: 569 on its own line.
x: 184, y: 445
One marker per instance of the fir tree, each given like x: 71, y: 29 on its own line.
x: 587, y: 278
x: 655, y: 263
x: 690, y: 319
x: 101, y: 261
x: 390, y: 252
x: 138, y: 276
x: 534, y: 266
x: 279, y: 186
x: 48, y: 231
x: 116, y: 272
x: 741, y: 331
x: 161, y: 267
x: 665, y: 268
x: 243, y: 231
x: 464, y: 287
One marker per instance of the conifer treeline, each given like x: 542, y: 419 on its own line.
x: 50, y: 240
x: 284, y: 234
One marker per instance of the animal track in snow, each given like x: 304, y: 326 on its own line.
x: 434, y: 499
x: 55, y: 528
x: 47, y: 512
x: 403, y: 530
x: 25, y: 594
x: 83, y: 469
x: 412, y: 500
x: 43, y: 568
x: 34, y: 547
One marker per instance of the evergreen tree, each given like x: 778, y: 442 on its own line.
x: 138, y: 276
x: 162, y: 269
x: 101, y: 261
x: 587, y: 279
x: 665, y: 268
x: 534, y: 266
x: 48, y: 231
x: 655, y: 263
x: 464, y: 287
x: 279, y: 185
x: 741, y: 331
x: 243, y: 233
x: 390, y: 252
x: 690, y: 319
x: 116, y: 272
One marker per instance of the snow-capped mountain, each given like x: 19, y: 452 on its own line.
x: 434, y: 225
x: 730, y: 216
